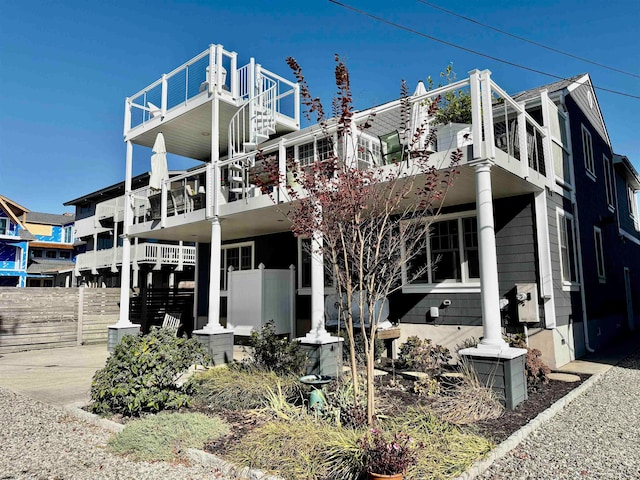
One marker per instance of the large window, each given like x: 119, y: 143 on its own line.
x: 608, y: 180
x: 4, y: 226
x: 304, y: 266
x: 632, y: 204
x: 319, y: 149
x: 567, y: 245
x: 597, y: 236
x: 239, y: 256
x: 450, y: 256
x: 587, y: 149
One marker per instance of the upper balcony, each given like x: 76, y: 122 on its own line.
x: 500, y: 130
x: 179, y: 103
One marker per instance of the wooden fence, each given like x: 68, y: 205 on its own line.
x: 37, y: 318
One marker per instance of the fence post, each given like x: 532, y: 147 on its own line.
x: 80, y: 315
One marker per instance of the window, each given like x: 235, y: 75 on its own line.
x: 587, y: 150
x: 239, y: 256
x: 608, y: 180
x: 597, y: 236
x: 451, y: 254
x: 64, y: 254
x: 317, y: 150
x: 632, y: 204
x: 368, y: 152
x: 51, y: 254
x: 304, y: 266
x: 567, y: 245
x: 68, y: 234
x: 4, y: 226
x: 36, y: 253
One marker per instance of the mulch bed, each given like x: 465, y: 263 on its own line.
x: 396, y: 394
x: 539, y: 400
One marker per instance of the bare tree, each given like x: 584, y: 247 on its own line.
x: 370, y: 224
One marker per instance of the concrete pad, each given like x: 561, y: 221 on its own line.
x: 564, y: 377
x: 586, y: 367
x: 57, y: 376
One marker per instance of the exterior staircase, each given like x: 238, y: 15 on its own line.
x: 251, y: 125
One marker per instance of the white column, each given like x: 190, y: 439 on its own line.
x: 318, y: 332
x: 136, y: 266
x: 125, y: 273
x: 213, y: 322
x: 172, y: 279
x: 489, y: 292
x: 196, y: 286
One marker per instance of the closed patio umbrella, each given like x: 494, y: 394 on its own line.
x: 159, y: 170
x: 419, y: 115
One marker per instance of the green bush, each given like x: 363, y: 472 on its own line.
x: 275, y: 353
x: 537, y: 371
x: 237, y: 388
x: 164, y: 436
x: 423, y: 356
x: 140, y: 376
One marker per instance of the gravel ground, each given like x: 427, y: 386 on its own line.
x: 38, y: 441
x: 595, y: 437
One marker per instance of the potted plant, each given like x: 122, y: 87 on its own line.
x: 453, y: 117
x: 388, y: 456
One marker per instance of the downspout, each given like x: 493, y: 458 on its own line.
x: 583, y: 298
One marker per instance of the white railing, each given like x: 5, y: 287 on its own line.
x: 155, y: 253
x: 215, y: 69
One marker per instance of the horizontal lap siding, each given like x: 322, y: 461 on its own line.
x: 517, y: 263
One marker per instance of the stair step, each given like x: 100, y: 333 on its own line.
x: 237, y: 179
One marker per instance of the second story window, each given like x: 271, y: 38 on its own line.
x: 587, y: 149
x: 632, y: 204
x: 4, y: 226
x: 608, y: 180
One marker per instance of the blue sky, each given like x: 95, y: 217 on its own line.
x: 67, y: 66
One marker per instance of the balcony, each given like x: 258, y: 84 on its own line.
x: 179, y: 103
x: 144, y: 253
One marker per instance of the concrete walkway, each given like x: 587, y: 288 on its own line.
x: 57, y: 376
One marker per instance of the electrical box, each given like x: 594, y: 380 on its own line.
x: 527, y: 302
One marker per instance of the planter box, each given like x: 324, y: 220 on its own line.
x: 452, y: 136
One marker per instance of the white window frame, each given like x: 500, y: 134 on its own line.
x: 368, y: 151
x: 466, y: 285
x: 328, y: 289
x: 315, y: 150
x: 608, y: 182
x: 632, y: 204
x: 561, y: 218
x: 599, y: 252
x: 5, y: 229
x: 230, y: 246
x: 587, y: 151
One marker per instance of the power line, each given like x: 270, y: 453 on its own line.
x: 475, y: 52
x: 532, y: 42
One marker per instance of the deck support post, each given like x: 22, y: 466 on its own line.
x: 508, y: 376
x: 323, y: 350
x: 124, y: 326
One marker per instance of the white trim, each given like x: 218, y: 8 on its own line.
x: 471, y: 287
x: 223, y: 292
x: 567, y: 285
x: 599, y: 251
x: 544, y: 259
x: 609, y: 187
x: 307, y: 290
x: 589, y: 167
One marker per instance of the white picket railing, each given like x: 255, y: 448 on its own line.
x: 142, y: 253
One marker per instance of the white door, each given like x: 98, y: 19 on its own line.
x: 627, y: 287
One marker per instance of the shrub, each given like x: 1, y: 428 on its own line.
x: 340, y: 398
x: 141, y: 373
x: 278, y: 354
x: 466, y: 343
x: 537, y: 370
x: 165, y: 436
x: 426, y: 387
x: 423, y: 356
x: 237, y: 388
x: 387, y: 454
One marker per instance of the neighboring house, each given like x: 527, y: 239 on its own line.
x: 36, y: 249
x: 98, y: 230
x: 14, y: 244
x: 566, y: 255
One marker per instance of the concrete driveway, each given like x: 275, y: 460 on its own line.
x: 57, y: 376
